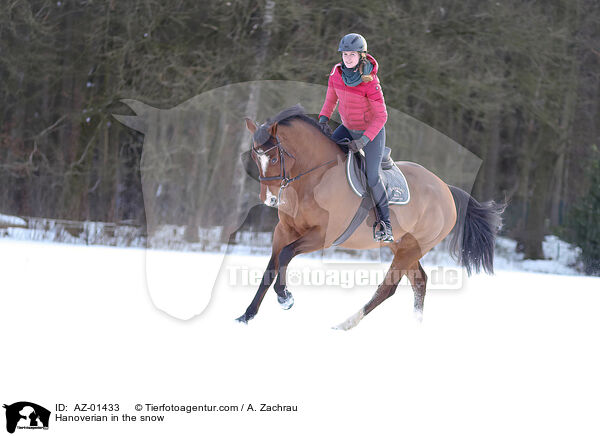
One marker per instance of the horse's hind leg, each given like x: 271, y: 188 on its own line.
x: 405, y: 254
x: 418, y: 281
x: 383, y: 292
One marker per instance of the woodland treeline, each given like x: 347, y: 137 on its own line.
x: 515, y: 82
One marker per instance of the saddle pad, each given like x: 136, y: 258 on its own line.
x: 393, y: 179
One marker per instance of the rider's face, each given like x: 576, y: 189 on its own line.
x: 350, y: 58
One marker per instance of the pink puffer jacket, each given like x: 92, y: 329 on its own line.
x: 362, y: 107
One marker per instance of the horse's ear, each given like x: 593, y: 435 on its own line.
x: 250, y: 125
x: 273, y: 129
x: 138, y: 121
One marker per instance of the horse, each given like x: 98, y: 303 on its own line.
x: 301, y: 172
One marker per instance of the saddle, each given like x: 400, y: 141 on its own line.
x: 391, y: 176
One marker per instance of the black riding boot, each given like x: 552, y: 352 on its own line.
x: 383, y: 211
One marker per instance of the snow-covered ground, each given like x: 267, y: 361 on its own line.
x: 515, y: 353
x: 561, y: 257
x: 8, y: 220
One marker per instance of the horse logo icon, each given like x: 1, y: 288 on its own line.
x: 26, y: 415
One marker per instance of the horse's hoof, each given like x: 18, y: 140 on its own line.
x: 286, y: 302
x: 350, y: 322
x: 244, y: 319
x: 343, y: 326
x: 418, y: 315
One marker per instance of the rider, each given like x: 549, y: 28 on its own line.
x: 362, y: 108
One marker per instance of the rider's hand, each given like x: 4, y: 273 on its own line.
x: 357, y: 144
x: 324, y: 126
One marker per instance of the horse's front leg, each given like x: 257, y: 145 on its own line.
x: 267, y: 279
x: 310, y: 241
x: 281, y: 237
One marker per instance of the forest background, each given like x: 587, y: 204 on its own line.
x: 516, y: 82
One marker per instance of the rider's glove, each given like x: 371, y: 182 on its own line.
x: 324, y: 126
x: 359, y: 143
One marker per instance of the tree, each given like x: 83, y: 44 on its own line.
x: 584, y: 219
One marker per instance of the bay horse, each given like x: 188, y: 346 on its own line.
x: 302, y: 172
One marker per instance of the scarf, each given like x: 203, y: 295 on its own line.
x: 352, y: 77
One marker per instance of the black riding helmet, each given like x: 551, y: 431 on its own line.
x: 353, y: 42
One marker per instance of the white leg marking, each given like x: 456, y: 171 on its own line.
x: 351, y: 322
x: 419, y: 316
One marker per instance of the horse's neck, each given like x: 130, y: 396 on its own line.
x: 310, y: 148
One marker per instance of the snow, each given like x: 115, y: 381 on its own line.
x: 7, y: 220
x: 514, y: 353
x: 561, y: 257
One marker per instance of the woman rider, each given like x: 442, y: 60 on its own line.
x: 354, y: 83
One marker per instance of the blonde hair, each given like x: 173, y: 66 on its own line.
x: 363, y: 59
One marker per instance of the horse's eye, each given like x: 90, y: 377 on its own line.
x: 274, y: 160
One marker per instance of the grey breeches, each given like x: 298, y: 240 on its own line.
x: 373, y: 150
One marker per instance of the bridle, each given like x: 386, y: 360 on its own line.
x: 283, y: 176
x: 282, y: 152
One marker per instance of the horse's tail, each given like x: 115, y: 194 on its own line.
x: 474, y: 236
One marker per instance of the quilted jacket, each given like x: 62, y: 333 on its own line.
x: 361, y: 107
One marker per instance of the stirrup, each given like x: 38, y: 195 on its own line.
x: 384, y: 234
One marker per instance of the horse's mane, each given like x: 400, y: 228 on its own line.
x: 285, y: 117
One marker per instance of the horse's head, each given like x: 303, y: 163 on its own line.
x: 269, y: 156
